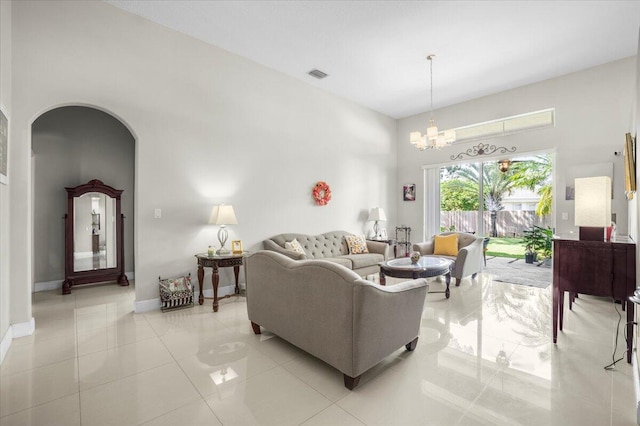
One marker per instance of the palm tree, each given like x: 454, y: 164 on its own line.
x: 536, y: 176
x: 532, y: 174
x: 496, y: 185
x: 494, y: 205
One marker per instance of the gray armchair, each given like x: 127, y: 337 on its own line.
x: 469, y: 258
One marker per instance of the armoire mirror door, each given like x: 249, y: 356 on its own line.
x: 94, y: 234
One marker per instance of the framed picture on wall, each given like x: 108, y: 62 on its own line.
x: 629, y: 166
x: 4, y: 144
x: 409, y: 192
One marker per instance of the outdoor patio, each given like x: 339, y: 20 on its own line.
x: 517, y: 271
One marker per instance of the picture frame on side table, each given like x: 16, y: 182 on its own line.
x: 409, y: 192
x: 383, y: 234
x: 236, y: 247
x: 4, y: 145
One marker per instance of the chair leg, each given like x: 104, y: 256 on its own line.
x: 256, y: 328
x: 412, y: 344
x: 351, y: 382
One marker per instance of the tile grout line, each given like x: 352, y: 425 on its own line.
x: 202, y: 397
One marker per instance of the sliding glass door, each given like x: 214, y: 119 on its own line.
x: 496, y: 198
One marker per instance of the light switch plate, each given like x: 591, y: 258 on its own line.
x: 157, y: 214
x: 565, y: 216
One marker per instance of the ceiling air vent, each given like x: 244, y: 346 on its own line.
x: 317, y: 74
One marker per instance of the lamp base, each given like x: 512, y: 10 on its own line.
x: 591, y: 233
x: 222, y: 237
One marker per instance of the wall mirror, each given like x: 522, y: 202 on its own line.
x: 94, y: 230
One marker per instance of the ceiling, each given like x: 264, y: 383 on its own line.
x: 375, y: 51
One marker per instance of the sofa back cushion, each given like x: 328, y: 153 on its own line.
x: 330, y: 244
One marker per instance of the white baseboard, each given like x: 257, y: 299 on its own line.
x: 47, y: 285
x: 146, y: 305
x: 57, y: 284
x: 15, y: 331
x: 5, y: 343
x: 22, y: 329
x: 153, y: 304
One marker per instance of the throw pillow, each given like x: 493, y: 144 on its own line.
x: 294, y: 246
x: 357, y: 244
x: 446, y: 245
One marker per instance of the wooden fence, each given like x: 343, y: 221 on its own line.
x: 508, y: 223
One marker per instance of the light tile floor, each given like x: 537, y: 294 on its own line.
x: 484, y: 357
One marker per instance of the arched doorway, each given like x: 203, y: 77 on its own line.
x: 72, y: 145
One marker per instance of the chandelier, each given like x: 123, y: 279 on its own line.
x: 432, y: 138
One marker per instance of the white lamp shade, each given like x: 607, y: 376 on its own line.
x: 432, y: 132
x: 593, y: 201
x: 377, y: 213
x: 450, y: 135
x: 414, y: 137
x: 223, y: 215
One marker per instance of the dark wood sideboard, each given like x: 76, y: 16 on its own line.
x: 597, y: 268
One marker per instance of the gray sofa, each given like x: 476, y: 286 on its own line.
x: 331, y: 312
x: 469, y: 258
x: 332, y: 246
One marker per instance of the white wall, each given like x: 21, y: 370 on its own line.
x: 210, y: 127
x: 71, y: 146
x: 635, y: 125
x: 5, y: 100
x: 593, y: 112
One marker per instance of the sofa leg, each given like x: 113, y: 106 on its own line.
x: 351, y: 382
x: 474, y: 275
x: 256, y: 328
x: 412, y: 344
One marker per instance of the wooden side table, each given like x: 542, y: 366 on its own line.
x: 215, y: 262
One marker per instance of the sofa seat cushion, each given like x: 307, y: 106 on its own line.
x: 342, y: 260
x: 364, y: 260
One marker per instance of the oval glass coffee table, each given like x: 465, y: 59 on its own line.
x: 426, y: 267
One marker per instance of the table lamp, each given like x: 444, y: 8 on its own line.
x: 376, y: 214
x: 593, y: 207
x: 223, y: 215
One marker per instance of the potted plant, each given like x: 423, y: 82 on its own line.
x: 530, y: 256
x: 546, y: 248
x: 531, y: 237
x: 538, y: 241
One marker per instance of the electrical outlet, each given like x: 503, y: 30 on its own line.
x: 565, y: 216
x: 157, y: 214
